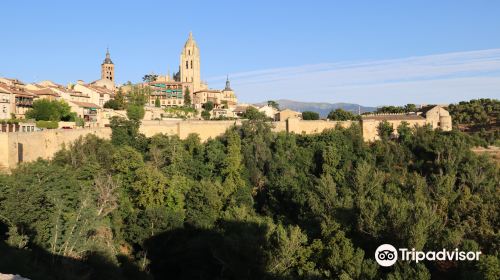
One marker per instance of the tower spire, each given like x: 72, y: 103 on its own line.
x: 228, y: 84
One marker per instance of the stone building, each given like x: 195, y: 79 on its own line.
x: 189, y: 66
x: 435, y: 116
x: 21, y: 99
x: 286, y: 114
x: 220, y: 98
x: 6, y: 102
x: 98, y: 94
x: 107, y: 74
x: 167, y: 93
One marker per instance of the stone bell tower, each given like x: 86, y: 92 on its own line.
x: 190, y: 64
x: 108, y: 68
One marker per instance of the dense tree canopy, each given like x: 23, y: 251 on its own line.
x: 342, y: 115
x: 309, y: 115
x: 50, y: 110
x: 479, y: 117
x: 251, y: 204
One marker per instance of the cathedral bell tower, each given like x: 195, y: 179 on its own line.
x: 108, y: 68
x: 190, y: 64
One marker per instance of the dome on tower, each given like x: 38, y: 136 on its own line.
x: 107, y: 60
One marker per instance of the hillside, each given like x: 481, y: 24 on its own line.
x: 322, y: 108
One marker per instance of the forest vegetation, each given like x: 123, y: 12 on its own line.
x: 251, y: 204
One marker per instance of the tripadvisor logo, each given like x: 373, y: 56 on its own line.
x: 387, y: 255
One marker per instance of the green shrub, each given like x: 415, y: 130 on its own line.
x: 47, y: 124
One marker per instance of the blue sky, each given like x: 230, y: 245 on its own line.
x: 367, y: 52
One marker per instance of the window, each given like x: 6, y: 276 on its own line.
x: 187, y: 65
x: 191, y: 64
x: 189, y: 52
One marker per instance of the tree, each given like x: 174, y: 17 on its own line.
x: 50, y: 110
x: 410, y: 108
x: 385, y: 130
x: 187, y: 97
x: 150, y: 187
x: 232, y: 168
x: 113, y: 104
x: 120, y: 99
x: 204, y: 204
x: 209, y: 106
x: 404, y: 131
x: 273, y: 104
x: 309, y: 115
x: 252, y: 113
x: 341, y: 115
x: 135, y: 112
x: 157, y: 103
x: 123, y: 131
x: 149, y: 78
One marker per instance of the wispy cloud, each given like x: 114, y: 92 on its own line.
x: 441, y: 78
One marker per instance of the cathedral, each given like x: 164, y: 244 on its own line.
x: 189, y: 78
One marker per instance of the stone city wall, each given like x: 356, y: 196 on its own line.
x: 29, y: 146
x: 370, y: 127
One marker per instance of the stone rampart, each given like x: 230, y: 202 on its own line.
x: 18, y: 147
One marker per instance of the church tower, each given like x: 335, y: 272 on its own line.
x: 108, y: 68
x: 190, y: 64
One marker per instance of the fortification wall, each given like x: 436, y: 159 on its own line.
x: 205, y: 129
x: 311, y: 127
x: 29, y: 146
x: 370, y: 131
x: 4, y: 151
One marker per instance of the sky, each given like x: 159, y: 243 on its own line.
x: 367, y: 52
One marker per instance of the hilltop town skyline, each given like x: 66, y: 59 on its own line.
x: 437, y: 53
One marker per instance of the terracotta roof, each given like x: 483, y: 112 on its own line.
x: 394, y: 117
x: 18, y: 91
x: 86, y: 104
x: 208, y: 90
x: 5, y: 88
x: 241, y: 109
x: 45, y: 91
x: 100, y: 90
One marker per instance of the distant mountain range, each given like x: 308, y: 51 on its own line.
x: 320, y: 107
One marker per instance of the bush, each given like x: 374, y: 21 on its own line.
x: 135, y: 112
x: 205, y: 115
x: 309, y: 115
x: 80, y: 122
x: 47, y: 124
x: 113, y: 104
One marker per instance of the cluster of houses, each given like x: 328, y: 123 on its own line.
x: 16, y: 97
x: 87, y: 100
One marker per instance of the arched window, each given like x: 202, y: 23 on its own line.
x: 191, y: 64
x: 187, y: 65
x: 189, y: 52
